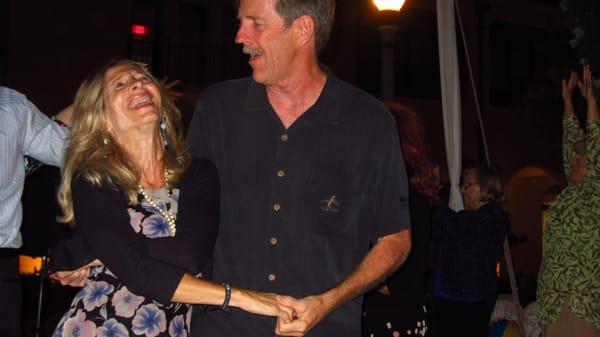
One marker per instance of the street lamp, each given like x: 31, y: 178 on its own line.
x: 389, y: 5
x: 388, y: 33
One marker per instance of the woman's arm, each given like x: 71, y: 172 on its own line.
x: 571, y: 130
x: 197, y: 220
x: 593, y: 125
x: 104, y: 224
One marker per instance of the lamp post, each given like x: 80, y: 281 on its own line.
x: 388, y: 33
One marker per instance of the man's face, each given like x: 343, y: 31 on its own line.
x: 270, y: 45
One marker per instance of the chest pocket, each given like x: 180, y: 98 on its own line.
x: 331, y: 203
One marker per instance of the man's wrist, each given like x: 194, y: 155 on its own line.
x: 332, y: 299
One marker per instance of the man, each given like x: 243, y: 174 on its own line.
x: 24, y: 131
x: 311, y: 175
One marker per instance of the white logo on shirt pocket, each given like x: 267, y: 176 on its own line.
x: 330, y: 205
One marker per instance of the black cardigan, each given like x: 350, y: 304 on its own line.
x: 470, y: 244
x: 149, y: 267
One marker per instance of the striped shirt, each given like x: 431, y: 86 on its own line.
x: 24, y: 130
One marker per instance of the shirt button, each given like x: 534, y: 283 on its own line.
x: 273, y: 241
x: 272, y: 277
x: 280, y: 173
x: 284, y: 138
x: 276, y: 207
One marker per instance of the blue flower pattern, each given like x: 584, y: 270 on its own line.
x: 94, y: 303
x: 177, y: 327
x: 153, y: 224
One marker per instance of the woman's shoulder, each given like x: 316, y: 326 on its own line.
x: 85, y: 181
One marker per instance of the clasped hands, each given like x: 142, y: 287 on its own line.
x: 295, y: 317
x: 307, y: 313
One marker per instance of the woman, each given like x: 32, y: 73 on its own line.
x: 568, y: 291
x: 470, y: 243
x: 398, y: 307
x: 148, y: 213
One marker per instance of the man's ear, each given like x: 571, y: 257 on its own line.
x: 304, y: 30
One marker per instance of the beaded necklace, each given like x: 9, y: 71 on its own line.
x: 167, y: 214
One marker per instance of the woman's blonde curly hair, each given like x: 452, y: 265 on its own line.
x: 92, y: 152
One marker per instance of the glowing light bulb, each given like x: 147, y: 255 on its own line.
x: 389, y: 5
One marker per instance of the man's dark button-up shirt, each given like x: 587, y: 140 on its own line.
x: 299, y: 206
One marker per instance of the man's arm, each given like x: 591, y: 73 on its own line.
x: 384, y: 258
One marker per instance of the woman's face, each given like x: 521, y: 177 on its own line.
x: 132, y: 99
x: 470, y: 190
x: 578, y: 169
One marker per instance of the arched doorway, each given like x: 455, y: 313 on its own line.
x: 528, y: 193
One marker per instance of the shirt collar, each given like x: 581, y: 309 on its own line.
x: 326, y: 109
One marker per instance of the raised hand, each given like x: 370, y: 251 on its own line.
x: 568, y: 85
x: 585, y: 85
x: 176, y: 95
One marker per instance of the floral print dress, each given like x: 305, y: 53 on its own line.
x: 106, y: 308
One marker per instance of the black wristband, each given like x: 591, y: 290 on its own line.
x: 225, y: 305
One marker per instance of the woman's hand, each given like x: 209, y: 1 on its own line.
x: 261, y: 303
x: 568, y: 85
x: 176, y: 95
x: 567, y: 93
x: 585, y: 85
x: 77, y: 277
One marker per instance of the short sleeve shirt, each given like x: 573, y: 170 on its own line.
x: 299, y: 206
x: 24, y: 131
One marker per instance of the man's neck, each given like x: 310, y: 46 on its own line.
x: 296, y: 94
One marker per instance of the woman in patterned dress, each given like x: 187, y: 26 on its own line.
x: 569, y: 278
x: 145, y: 215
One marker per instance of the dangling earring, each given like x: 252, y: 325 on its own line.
x: 105, y: 143
x: 163, y: 131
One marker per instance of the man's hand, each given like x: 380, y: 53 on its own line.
x: 77, y: 277
x: 65, y: 115
x: 308, y: 311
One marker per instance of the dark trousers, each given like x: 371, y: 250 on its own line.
x: 459, y: 319
x: 10, y: 294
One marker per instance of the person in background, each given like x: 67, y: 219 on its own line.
x: 398, y: 306
x: 24, y: 131
x: 569, y: 278
x: 470, y: 243
x: 146, y: 213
